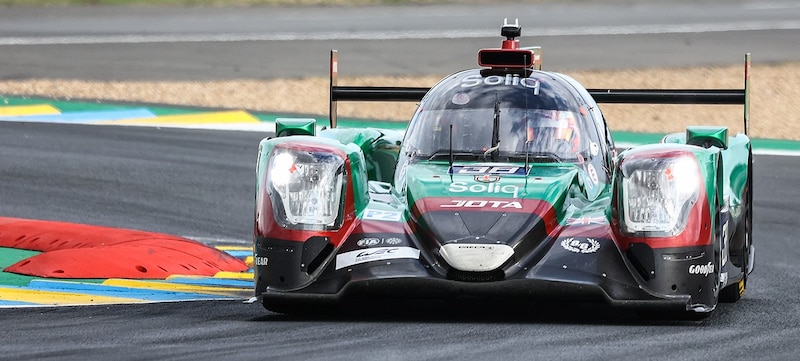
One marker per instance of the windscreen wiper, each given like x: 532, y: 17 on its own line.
x: 537, y: 157
x: 447, y: 154
x: 495, y: 131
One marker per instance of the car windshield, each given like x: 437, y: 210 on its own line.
x: 531, y: 117
x: 521, y: 132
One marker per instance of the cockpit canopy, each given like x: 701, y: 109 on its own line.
x: 537, y: 116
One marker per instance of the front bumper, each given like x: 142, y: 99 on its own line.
x: 639, y: 279
x: 408, y: 280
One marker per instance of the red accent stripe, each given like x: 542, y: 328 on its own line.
x: 592, y: 231
x: 536, y: 206
x: 368, y: 226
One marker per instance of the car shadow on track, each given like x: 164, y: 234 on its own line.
x: 476, y: 312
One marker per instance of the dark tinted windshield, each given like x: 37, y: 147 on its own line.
x: 535, y: 115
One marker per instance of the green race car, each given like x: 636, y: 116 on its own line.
x: 506, y: 186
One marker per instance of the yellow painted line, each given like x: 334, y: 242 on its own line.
x: 175, y: 287
x: 234, y: 275
x: 248, y: 260
x: 233, y: 116
x: 18, y: 110
x: 224, y: 275
x: 59, y: 298
x: 234, y: 248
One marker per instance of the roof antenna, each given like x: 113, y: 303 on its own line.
x: 511, y: 32
x: 527, y: 148
x: 527, y: 136
x: 451, y: 147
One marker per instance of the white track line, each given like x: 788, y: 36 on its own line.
x: 400, y: 35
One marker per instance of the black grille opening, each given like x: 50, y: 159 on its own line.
x: 315, y: 250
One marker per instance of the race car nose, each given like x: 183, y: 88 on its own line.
x: 476, y: 257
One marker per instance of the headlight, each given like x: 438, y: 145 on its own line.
x: 306, y: 188
x: 658, y: 194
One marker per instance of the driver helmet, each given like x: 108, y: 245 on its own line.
x: 554, y: 130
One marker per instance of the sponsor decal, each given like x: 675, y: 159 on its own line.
x: 464, y: 187
x: 487, y: 178
x: 463, y: 203
x: 379, y: 215
x: 460, y: 98
x: 594, y: 148
x: 494, y: 170
x: 580, y: 246
x: 586, y: 220
x: 508, y: 79
x: 374, y: 241
x: 701, y: 269
x: 593, y: 174
x: 392, y: 241
x: 725, y: 250
x: 360, y: 256
x: 260, y: 261
x: 367, y: 242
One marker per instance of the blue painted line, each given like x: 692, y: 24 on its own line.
x: 17, y: 303
x: 87, y: 117
x: 240, y: 254
x: 117, y: 291
x: 211, y: 281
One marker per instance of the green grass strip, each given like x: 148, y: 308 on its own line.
x: 9, y: 256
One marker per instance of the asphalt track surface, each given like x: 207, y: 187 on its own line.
x: 200, y: 183
x: 264, y: 43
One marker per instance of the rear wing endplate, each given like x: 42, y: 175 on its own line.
x: 615, y: 96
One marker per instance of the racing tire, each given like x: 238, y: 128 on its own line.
x: 691, y: 315
x: 733, y: 292
x: 743, y: 239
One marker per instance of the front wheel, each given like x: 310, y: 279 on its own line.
x: 733, y: 292
x: 742, y: 242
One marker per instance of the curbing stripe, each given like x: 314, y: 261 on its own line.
x: 18, y: 294
x: 210, y: 281
x: 221, y: 118
x: 176, y: 287
x: 28, y: 110
x: 16, y: 304
x: 86, y: 117
x: 235, y: 275
x: 142, y: 295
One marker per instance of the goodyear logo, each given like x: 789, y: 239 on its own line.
x: 701, y: 269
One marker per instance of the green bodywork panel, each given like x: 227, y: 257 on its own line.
x: 557, y: 184
x: 707, y: 135
x: 295, y: 126
x: 373, y: 154
x: 380, y: 148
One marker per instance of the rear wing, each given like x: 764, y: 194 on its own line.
x: 617, y: 96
